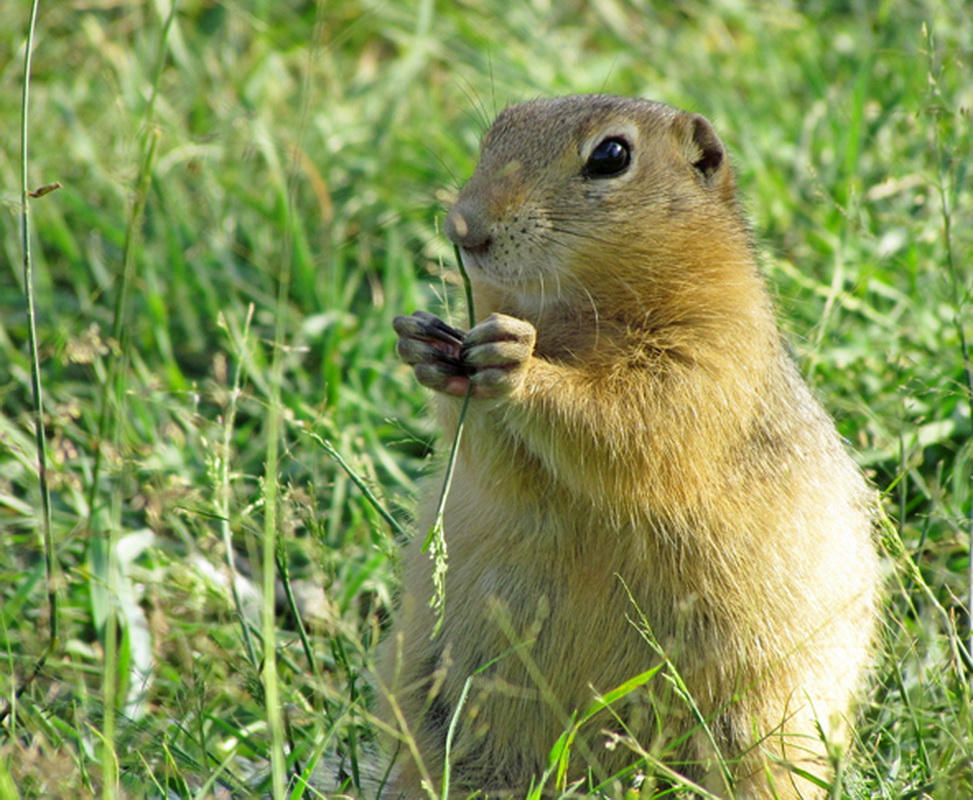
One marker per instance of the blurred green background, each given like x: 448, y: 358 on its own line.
x: 274, y: 175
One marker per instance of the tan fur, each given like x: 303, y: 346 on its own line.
x: 639, y: 450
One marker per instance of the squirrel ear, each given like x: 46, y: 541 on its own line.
x: 703, y: 147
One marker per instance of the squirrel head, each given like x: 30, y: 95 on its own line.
x: 596, y: 195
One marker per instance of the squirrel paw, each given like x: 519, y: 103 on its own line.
x: 434, y: 350
x: 493, y: 355
x: 498, y: 351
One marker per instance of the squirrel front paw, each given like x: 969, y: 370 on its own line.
x: 498, y: 351
x: 493, y: 356
x: 434, y: 350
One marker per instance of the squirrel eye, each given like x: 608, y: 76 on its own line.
x: 609, y: 158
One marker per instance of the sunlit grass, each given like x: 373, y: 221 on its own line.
x: 322, y: 142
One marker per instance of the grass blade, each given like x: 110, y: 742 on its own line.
x: 52, y: 567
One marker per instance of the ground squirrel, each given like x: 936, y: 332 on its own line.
x: 644, y: 478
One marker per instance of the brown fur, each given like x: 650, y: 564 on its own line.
x: 639, y: 450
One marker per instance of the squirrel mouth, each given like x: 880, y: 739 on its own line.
x: 488, y: 269
x: 477, y: 259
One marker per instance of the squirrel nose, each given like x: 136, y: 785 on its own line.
x: 467, y: 229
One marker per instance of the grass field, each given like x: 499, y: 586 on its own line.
x: 252, y: 190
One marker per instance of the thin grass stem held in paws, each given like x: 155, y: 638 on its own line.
x: 435, y: 541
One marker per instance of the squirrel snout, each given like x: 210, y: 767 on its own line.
x: 467, y: 230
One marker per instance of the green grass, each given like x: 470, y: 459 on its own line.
x: 250, y: 196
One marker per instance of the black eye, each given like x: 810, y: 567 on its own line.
x: 611, y: 157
